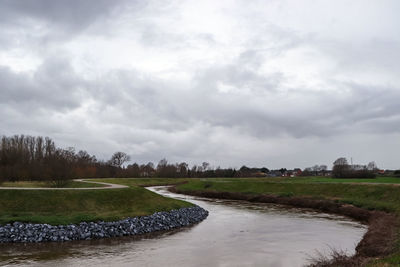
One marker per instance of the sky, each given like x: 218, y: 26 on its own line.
x: 269, y: 83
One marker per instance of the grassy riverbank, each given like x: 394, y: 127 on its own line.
x: 74, y: 206
x: 324, y: 179
x: 367, y: 196
x: 144, y: 181
x: 379, y: 197
x: 40, y: 184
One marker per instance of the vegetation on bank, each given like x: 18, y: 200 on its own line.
x: 320, y: 179
x: 370, y: 196
x: 73, y: 206
x: 144, y: 181
x: 41, y: 184
x: 379, y: 197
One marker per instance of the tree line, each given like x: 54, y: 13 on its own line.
x: 342, y: 169
x: 24, y: 158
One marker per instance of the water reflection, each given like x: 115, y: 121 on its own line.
x: 236, y: 233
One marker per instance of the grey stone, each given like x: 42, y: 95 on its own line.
x: 27, y: 232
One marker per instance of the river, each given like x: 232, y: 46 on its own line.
x: 236, y: 233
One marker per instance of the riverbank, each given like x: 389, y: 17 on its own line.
x: 72, y: 184
x: 63, y: 207
x: 159, y: 221
x: 375, y: 205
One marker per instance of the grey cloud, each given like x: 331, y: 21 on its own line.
x: 53, y: 86
x: 72, y: 14
x: 259, y: 117
x: 35, y: 25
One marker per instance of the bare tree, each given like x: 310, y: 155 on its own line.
x: 372, y: 166
x: 119, y: 158
x: 205, y: 165
x: 340, y: 168
x: 340, y: 162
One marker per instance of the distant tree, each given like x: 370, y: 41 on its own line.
x: 323, y: 169
x: 147, y: 170
x: 193, y: 171
x: 162, y: 164
x: 340, y: 168
x: 119, y: 158
x: 372, y: 166
x: 205, y: 165
x: 340, y: 162
x: 84, y: 157
x: 183, y: 168
x: 133, y: 170
x: 244, y: 168
x: 316, y: 170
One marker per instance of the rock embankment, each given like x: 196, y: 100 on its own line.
x: 34, y: 233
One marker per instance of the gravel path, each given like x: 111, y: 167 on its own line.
x: 106, y: 186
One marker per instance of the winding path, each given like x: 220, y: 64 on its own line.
x: 106, y: 186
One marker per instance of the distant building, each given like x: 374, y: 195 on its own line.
x: 358, y: 167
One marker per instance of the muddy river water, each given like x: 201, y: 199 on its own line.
x: 236, y: 233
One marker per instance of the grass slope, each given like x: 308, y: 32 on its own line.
x: 317, y: 179
x: 74, y: 206
x: 37, y: 184
x: 143, y: 181
x: 380, y: 197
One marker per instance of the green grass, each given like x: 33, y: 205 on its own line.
x: 381, y: 197
x: 74, y: 206
x: 311, y: 179
x: 37, y: 184
x: 316, y: 179
x: 143, y: 181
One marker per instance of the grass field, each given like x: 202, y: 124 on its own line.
x: 74, y: 206
x: 370, y: 196
x: 314, y: 179
x: 380, y: 197
x: 143, y: 181
x: 34, y: 184
x: 311, y: 179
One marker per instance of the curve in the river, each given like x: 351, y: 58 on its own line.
x: 236, y: 233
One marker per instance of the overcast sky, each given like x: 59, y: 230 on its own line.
x: 263, y: 83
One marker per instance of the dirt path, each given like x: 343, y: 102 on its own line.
x: 106, y: 186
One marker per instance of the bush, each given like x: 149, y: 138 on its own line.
x: 354, y: 174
